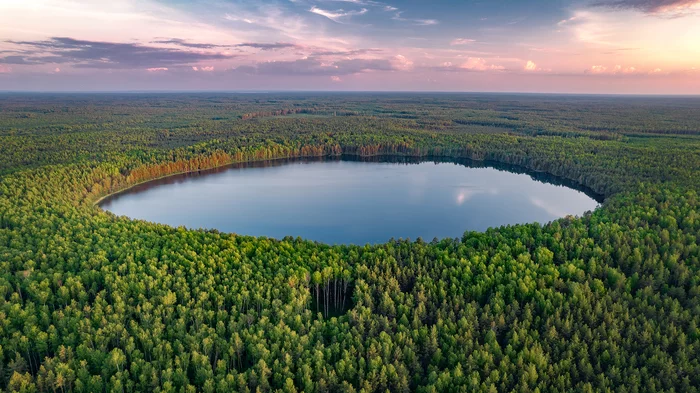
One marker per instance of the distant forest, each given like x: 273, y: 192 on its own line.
x: 92, y: 302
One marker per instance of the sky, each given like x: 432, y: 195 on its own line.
x: 538, y: 46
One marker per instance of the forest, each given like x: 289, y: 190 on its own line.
x: 92, y: 302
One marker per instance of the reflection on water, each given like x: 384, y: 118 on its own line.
x: 353, y: 201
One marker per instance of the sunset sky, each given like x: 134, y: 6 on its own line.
x: 563, y: 46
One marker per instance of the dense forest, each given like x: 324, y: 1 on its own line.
x: 92, y: 302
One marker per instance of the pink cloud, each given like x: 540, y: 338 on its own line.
x: 5, y: 69
x: 157, y: 69
x: 531, y: 66
x: 203, y: 69
x: 596, y: 69
x: 479, y: 64
x: 616, y: 70
x: 336, y: 78
x: 624, y: 70
x: 400, y: 62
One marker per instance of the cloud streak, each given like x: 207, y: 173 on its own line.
x: 353, y: 52
x: 462, y: 41
x: 268, y: 46
x: 419, y: 22
x: 616, y: 70
x: 183, y: 43
x: 317, y: 67
x: 337, y: 15
x: 471, y: 64
x: 256, y: 45
x: 650, y: 6
x: 106, y: 55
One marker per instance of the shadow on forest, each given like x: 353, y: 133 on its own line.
x: 334, y: 302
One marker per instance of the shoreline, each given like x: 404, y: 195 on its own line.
x: 600, y: 198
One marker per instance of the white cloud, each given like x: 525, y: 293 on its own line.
x: 567, y: 21
x: 419, y: 22
x: 337, y: 15
x: 271, y: 22
x: 462, y: 41
x: 335, y: 78
x: 157, y: 69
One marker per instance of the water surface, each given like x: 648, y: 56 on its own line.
x: 345, y: 201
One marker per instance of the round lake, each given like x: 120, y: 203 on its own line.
x: 352, y: 201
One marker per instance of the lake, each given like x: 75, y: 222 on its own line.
x: 353, y: 201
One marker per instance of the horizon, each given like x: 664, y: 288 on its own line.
x: 616, y: 47
x: 417, y: 92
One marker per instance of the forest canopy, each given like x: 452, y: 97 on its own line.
x: 92, y: 302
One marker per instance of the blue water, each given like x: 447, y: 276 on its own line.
x: 347, y: 202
